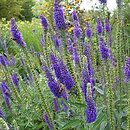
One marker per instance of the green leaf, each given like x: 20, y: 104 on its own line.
x: 71, y: 124
x: 99, y: 90
x: 103, y: 125
x: 98, y: 121
x: 80, y: 105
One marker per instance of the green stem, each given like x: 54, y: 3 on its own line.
x: 119, y: 55
x: 110, y: 98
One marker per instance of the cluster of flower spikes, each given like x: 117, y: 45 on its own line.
x: 16, y: 34
x: 127, y: 69
x: 59, y: 18
x: 61, y: 71
x: 6, y: 93
x: 105, y: 50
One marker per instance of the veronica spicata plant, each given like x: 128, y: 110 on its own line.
x: 74, y: 81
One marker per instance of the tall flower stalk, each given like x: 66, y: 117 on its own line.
x: 91, y: 111
x: 45, y: 25
x: 16, y: 34
x: 119, y: 53
x: 110, y: 97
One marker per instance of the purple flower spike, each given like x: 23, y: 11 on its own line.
x: 47, y: 121
x: 59, y: 16
x: 52, y: 83
x: 4, y: 61
x: 127, y: 69
x: 91, y: 112
x: 15, y: 79
x: 44, y: 21
x: 87, y: 54
x: 54, y: 87
x: 99, y: 27
x: 56, y: 67
x: 104, y: 50
x: 68, y: 80
x: 107, y: 25
x: 6, y: 93
x: 16, y: 35
x: 88, y: 30
x: 75, y: 16
x: 5, y: 89
x: 56, y: 105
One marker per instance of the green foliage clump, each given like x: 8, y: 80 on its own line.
x: 26, y: 12
x: 10, y: 8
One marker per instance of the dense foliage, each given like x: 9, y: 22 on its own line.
x: 10, y: 8
x: 19, y: 9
